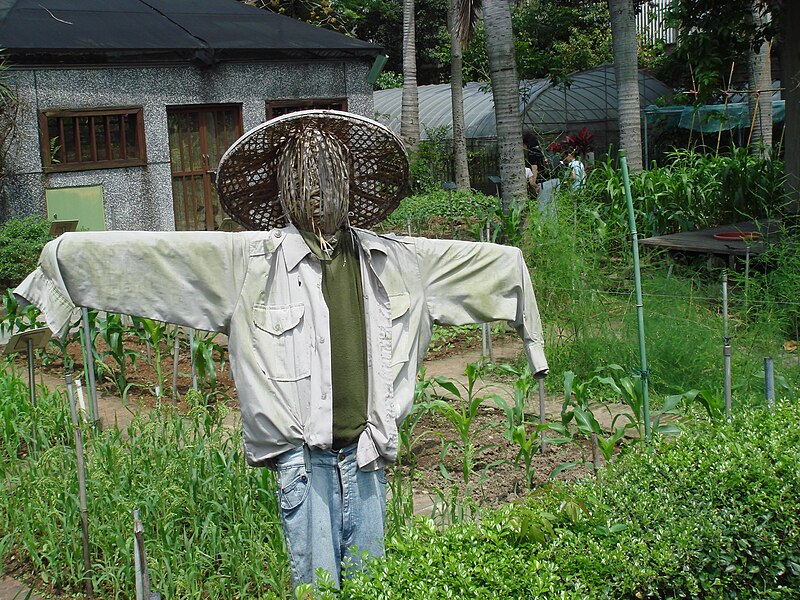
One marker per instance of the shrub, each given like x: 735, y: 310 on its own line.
x: 711, y: 514
x: 21, y: 242
x: 421, y: 209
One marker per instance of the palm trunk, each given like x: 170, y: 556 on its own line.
x: 760, y: 99
x: 461, y: 166
x: 505, y: 91
x: 623, y: 32
x: 409, y: 118
x: 791, y: 70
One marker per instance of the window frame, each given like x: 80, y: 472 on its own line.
x: 84, y: 165
x: 303, y: 104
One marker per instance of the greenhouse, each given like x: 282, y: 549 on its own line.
x: 550, y: 110
x: 587, y: 99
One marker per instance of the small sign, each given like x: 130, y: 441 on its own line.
x: 19, y: 341
x: 59, y: 227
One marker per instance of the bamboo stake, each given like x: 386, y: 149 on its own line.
x: 87, y: 562
x: 726, y: 345
x: 639, y: 304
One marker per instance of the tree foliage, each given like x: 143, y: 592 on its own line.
x: 719, y: 38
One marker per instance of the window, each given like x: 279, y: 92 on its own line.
x: 276, y: 108
x: 92, y: 139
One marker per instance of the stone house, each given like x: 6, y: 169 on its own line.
x: 124, y: 108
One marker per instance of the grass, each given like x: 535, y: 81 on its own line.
x: 211, y: 523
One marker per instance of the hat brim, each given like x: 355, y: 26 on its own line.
x: 247, y: 181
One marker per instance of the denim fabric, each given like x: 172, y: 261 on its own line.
x: 333, y: 513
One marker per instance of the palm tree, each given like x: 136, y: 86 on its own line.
x: 623, y: 33
x: 760, y: 75
x: 505, y: 91
x: 461, y: 16
x: 409, y: 116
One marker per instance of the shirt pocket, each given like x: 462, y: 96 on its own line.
x: 400, y: 305
x: 281, y: 341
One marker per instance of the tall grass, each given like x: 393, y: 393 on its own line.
x: 693, y: 191
x: 582, y: 270
x: 212, y: 528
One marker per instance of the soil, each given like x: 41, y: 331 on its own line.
x: 496, y: 477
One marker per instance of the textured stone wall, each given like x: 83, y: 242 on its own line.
x: 141, y: 197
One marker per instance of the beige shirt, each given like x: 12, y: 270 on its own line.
x: 263, y: 289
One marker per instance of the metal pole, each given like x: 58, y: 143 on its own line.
x: 191, y: 353
x: 488, y: 326
x: 90, y: 368
x: 542, y: 415
x: 747, y: 280
x: 87, y: 563
x: 32, y: 386
x: 175, y: 365
x: 639, y: 304
x: 726, y: 345
x: 769, y: 383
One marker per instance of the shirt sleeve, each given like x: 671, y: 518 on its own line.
x: 187, y: 278
x: 469, y: 282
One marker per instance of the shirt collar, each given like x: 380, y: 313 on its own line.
x: 295, y: 248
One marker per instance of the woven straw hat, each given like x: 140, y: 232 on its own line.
x: 247, y: 180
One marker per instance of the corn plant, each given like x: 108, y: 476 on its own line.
x: 112, y: 329
x: 462, y: 420
x: 17, y: 317
x: 153, y: 333
x: 528, y: 437
x: 203, y: 352
x: 629, y: 389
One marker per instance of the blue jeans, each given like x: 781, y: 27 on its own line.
x: 333, y: 513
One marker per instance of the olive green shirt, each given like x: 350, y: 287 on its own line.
x: 343, y: 294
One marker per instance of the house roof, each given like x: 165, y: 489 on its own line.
x: 588, y: 97
x: 123, y: 31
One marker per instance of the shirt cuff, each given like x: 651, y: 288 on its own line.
x: 536, y: 359
x: 57, y: 310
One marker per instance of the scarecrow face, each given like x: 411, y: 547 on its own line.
x: 314, y: 182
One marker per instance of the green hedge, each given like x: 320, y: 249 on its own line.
x: 712, y: 514
x: 421, y: 208
x: 21, y: 242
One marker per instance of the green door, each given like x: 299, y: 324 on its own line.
x: 83, y: 204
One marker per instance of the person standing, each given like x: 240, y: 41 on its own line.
x: 577, y: 172
x: 327, y: 321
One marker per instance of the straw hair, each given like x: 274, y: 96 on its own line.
x: 270, y: 171
x: 314, y: 182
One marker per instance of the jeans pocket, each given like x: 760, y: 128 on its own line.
x: 382, y: 476
x: 293, y: 488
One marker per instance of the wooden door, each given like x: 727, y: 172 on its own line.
x: 198, y: 137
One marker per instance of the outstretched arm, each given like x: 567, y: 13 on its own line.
x: 189, y: 278
x: 468, y: 282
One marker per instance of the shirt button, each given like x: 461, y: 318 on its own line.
x: 321, y: 340
x: 279, y: 328
x: 278, y: 234
x: 324, y: 396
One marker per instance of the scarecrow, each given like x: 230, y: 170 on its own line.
x: 327, y: 322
